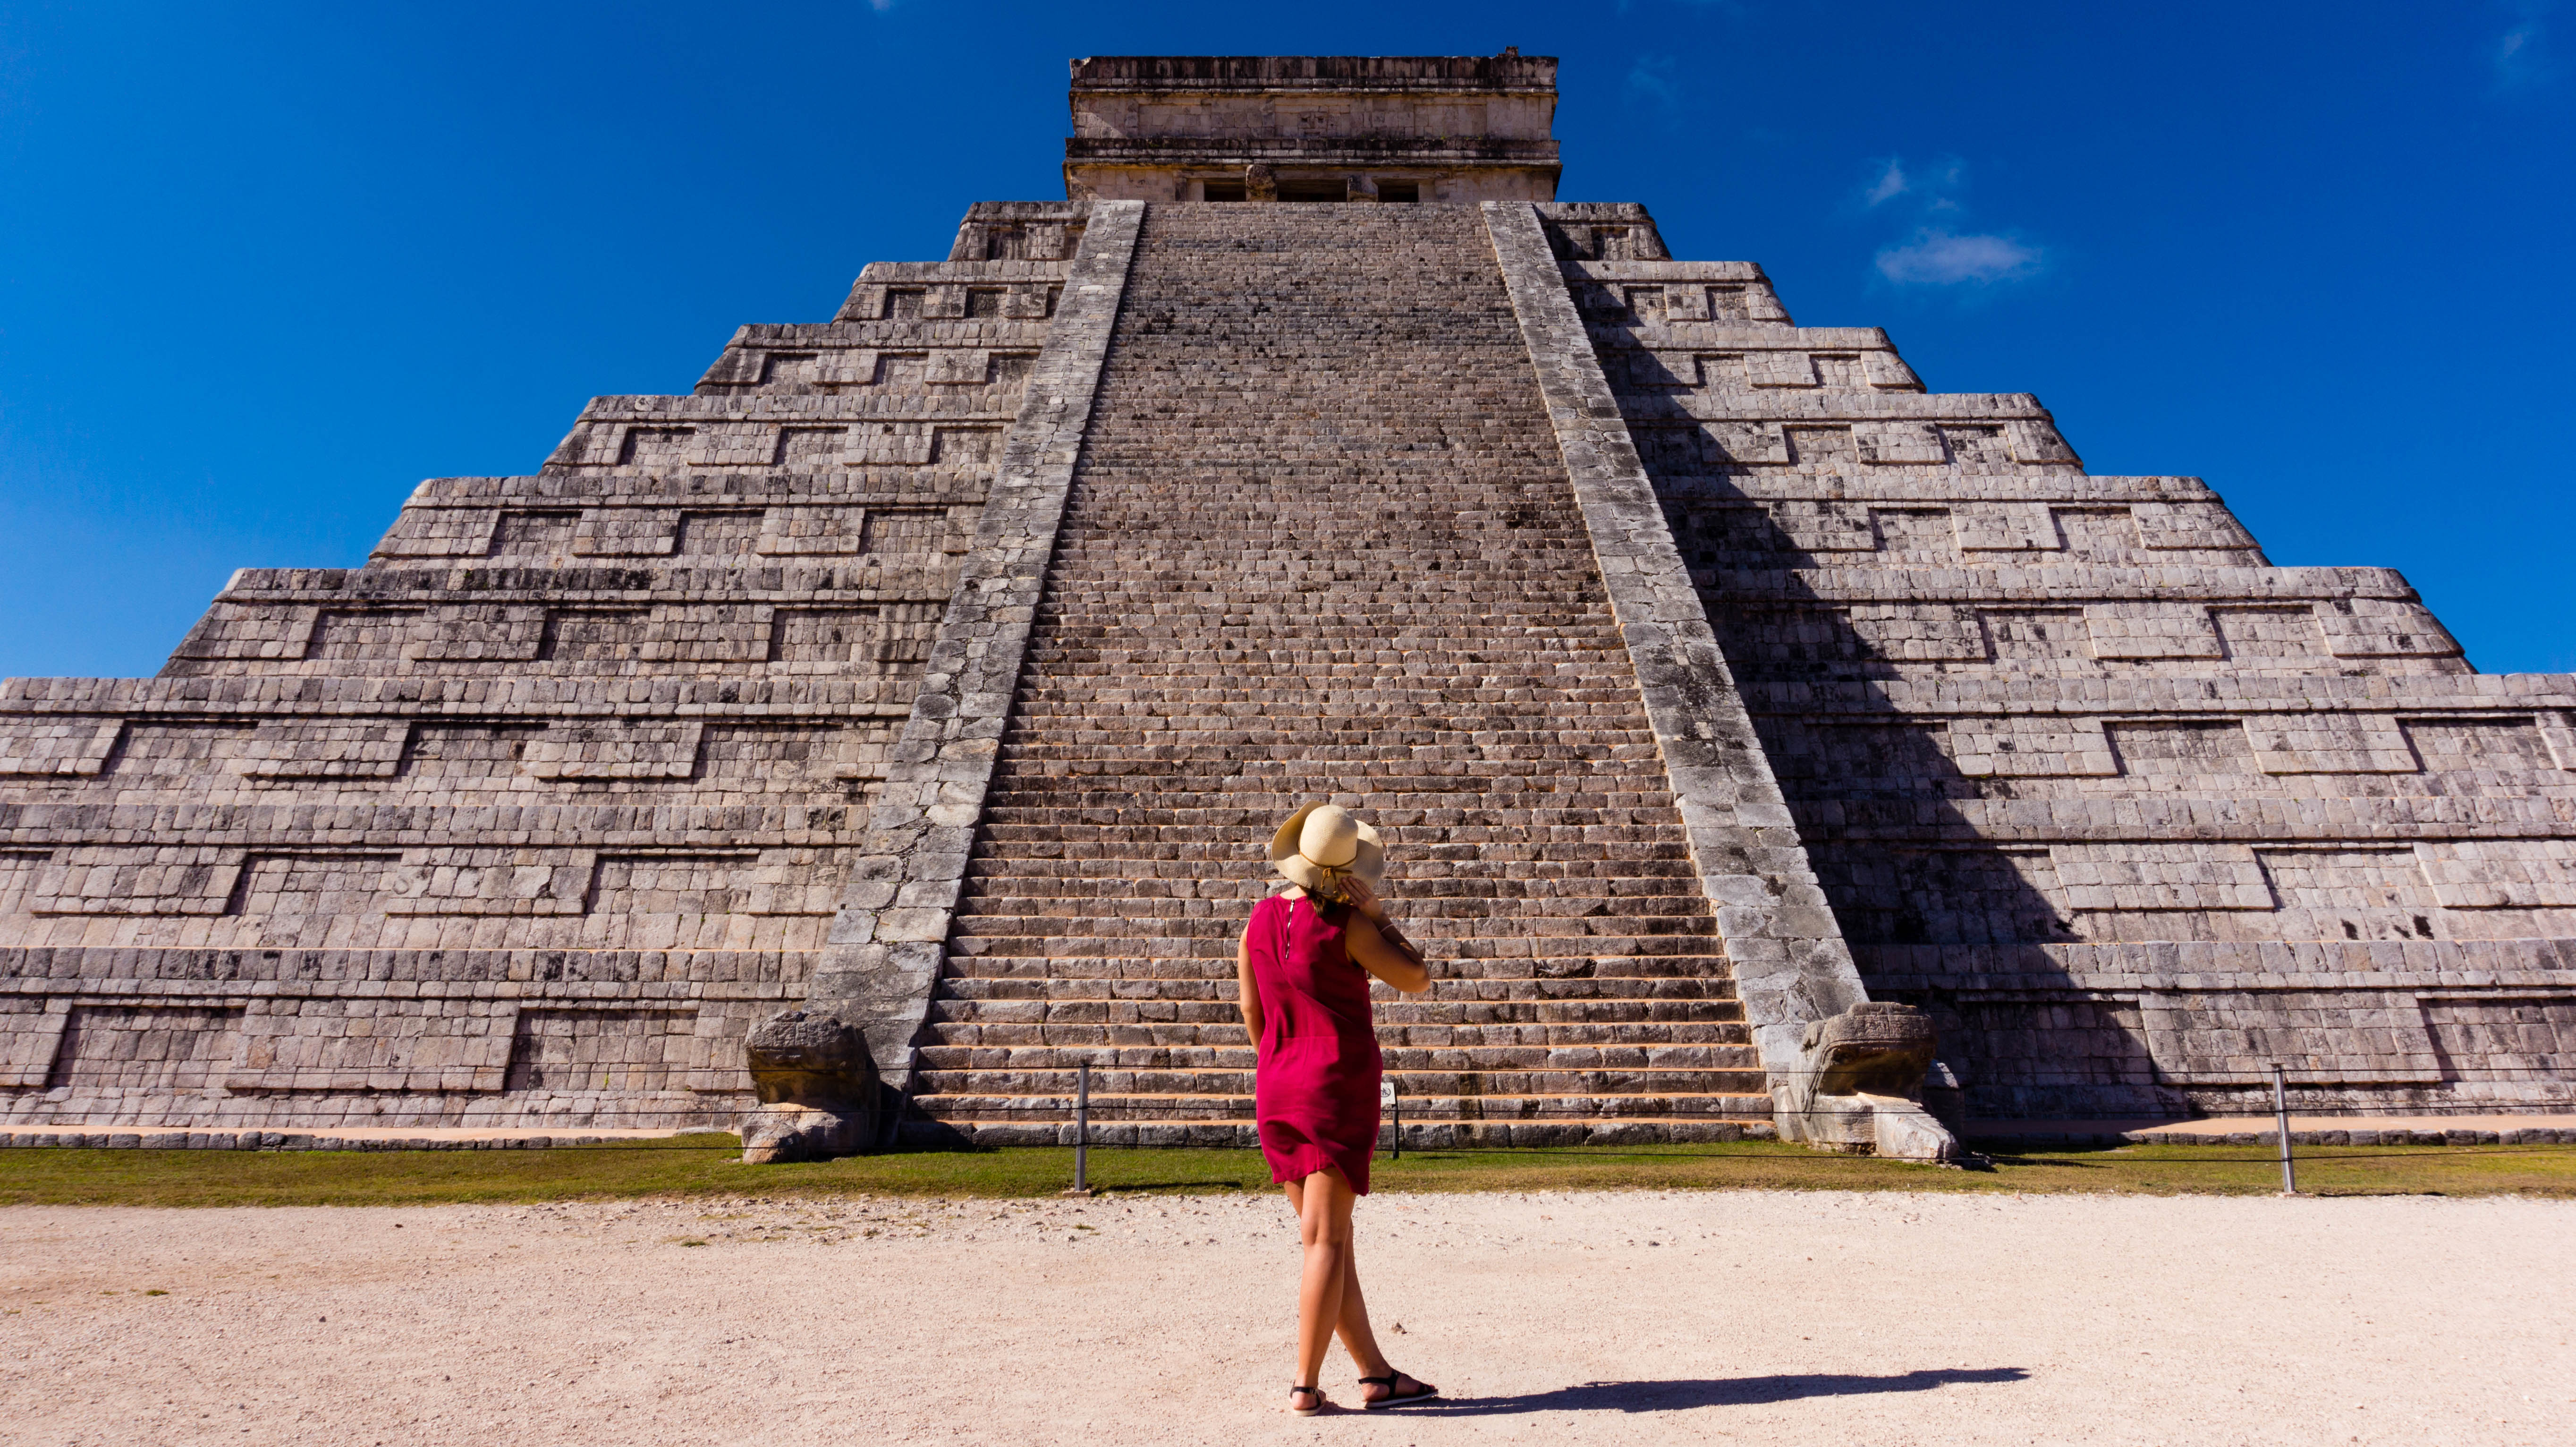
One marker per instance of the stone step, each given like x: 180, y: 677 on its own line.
x: 1228, y: 1034
x: 1731, y: 1119
x: 1460, y: 1003
x: 1743, y: 1101
x: 1354, y: 568
x: 1582, y: 980
x: 1044, y: 892
x: 1649, y: 1055
x: 1688, y: 947
x: 1237, y: 1080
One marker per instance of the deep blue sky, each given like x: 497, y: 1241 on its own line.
x: 261, y: 273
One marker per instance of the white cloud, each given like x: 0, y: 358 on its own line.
x: 1938, y: 258
x: 2521, y: 55
x: 1651, y: 79
x: 1890, y: 185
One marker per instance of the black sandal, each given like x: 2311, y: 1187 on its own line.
x: 1321, y: 1401
x: 1394, y: 1398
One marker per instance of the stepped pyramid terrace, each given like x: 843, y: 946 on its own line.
x: 859, y: 743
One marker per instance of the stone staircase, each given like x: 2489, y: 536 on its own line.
x: 1321, y: 543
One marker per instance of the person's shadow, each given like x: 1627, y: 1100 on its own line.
x: 1712, y: 1392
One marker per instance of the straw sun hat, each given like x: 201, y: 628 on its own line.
x: 1321, y: 843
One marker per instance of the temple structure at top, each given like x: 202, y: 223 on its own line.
x: 1443, y: 129
x: 863, y: 740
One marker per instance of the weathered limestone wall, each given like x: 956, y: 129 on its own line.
x: 530, y: 817
x: 2132, y: 812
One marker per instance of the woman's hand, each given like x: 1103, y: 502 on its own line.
x: 1357, y: 894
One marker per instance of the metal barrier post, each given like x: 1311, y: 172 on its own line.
x: 1081, y: 1131
x: 2281, y: 1119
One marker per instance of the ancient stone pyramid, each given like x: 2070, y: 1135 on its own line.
x: 944, y: 666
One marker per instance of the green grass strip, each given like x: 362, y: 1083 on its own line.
x: 708, y: 1165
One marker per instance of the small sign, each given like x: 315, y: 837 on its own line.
x: 1385, y: 1091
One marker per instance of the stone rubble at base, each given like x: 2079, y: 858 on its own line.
x: 941, y: 668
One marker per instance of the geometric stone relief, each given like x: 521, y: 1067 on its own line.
x: 2005, y: 527
x: 283, y: 749
x: 145, y: 1047
x: 2180, y: 753
x: 1821, y: 446
x: 2126, y: 631
x: 626, y: 532
x: 2382, y: 628
x: 619, y: 750
x: 2030, y: 747
x: 2319, y: 1037
x: 1901, y: 634
x: 2033, y: 633
x: 2132, y: 875
x: 447, y: 753
x: 341, y: 633
x: 797, y: 447
x: 1946, y: 896
x: 2531, y: 1039
x: 525, y: 532
x: 2269, y: 632
x: 1897, y: 444
x: 2048, y: 1058
x: 31, y: 1034
x: 42, y: 747
x: 2558, y: 732
x: 674, y: 637
x: 289, y: 889
x: 2329, y: 743
x: 490, y: 882
x: 183, y: 880
x: 328, y: 1043
x: 1914, y: 530
x: 420, y: 532
x: 170, y: 879
x: 1744, y: 442
x: 1779, y: 369
x: 2178, y: 526
x: 2464, y: 744
x: 2037, y: 442
x: 2352, y: 891
x: 2098, y: 534
x: 2501, y: 873
x: 2151, y: 630
x: 1976, y: 446
x: 1824, y: 527
x: 589, y: 1049
x: 812, y: 531
x: 230, y: 630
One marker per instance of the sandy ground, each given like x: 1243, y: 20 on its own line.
x: 1756, y: 1317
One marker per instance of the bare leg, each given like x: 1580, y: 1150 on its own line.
x: 1323, y: 1202
x: 1357, y: 1337
x: 1360, y: 1340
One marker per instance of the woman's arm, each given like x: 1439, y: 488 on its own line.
x: 1378, y: 946
x: 1247, y: 990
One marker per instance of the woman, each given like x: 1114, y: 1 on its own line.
x: 1302, y: 971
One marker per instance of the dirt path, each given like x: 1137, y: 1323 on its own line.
x: 1816, y: 1318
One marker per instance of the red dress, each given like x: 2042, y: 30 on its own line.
x: 1315, y: 1089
